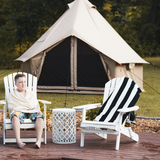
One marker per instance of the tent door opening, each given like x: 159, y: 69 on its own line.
x: 73, y: 65
x: 56, y: 72
x: 90, y: 72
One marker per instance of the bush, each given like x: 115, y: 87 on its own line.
x: 91, y: 114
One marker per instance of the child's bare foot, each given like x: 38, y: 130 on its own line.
x: 21, y: 145
x: 38, y: 145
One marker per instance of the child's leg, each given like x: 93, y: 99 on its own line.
x: 16, y: 129
x: 39, y: 129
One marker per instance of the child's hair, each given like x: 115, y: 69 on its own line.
x: 17, y: 76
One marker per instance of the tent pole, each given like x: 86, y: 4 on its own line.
x: 68, y: 75
x: 66, y: 88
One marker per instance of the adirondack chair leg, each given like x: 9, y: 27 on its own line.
x: 4, y: 136
x: 45, y: 133
x: 118, y: 141
x: 82, y: 139
x: 133, y: 135
x: 127, y: 131
x: 4, y: 125
x: 45, y: 136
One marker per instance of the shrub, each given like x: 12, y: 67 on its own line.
x: 91, y: 114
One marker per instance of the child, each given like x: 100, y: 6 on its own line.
x: 23, y: 104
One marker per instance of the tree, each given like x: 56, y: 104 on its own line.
x: 36, y: 16
x: 138, y: 23
x: 22, y: 22
x: 7, y: 36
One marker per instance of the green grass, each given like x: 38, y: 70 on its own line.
x: 58, y: 100
x: 149, y: 101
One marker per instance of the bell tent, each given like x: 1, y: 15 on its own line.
x: 79, y: 53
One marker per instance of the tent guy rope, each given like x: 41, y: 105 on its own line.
x: 141, y: 79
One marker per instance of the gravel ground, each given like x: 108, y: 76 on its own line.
x: 142, y: 124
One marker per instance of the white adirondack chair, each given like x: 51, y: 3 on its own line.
x: 10, y: 86
x: 102, y: 128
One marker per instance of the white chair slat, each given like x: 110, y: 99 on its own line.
x: 113, y: 82
x: 25, y: 74
x: 25, y: 121
x: 14, y: 74
x: 6, y: 95
x: 26, y: 77
x: 6, y: 86
x: 10, y: 80
x: 106, y: 91
x: 110, y: 86
x: 30, y: 77
x: 35, y: 85
x: 117, y: 81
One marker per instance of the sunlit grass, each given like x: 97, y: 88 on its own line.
x: 58, y: 100
x: 149, y: 101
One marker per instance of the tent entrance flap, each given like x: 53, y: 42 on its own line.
x: 73, y: 65
x: 56, y: 71
x: 91, y: 73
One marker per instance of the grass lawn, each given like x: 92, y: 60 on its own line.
x: 149, y: 101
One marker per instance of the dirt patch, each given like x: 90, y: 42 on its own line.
x: 142, y: 125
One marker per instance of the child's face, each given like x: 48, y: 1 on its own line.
x: 21, y: 84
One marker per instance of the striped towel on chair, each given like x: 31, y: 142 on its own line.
x: 125, y: 95
x: 27, y: 104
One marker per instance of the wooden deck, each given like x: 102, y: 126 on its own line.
x: 95, y: 148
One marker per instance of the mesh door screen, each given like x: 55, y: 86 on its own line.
x: 90, y: 70
x: 56, y: 67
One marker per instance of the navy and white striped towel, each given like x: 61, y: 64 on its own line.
x: 125, y: 95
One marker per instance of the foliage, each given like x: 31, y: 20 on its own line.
x: 91, y: 114
x: 22, y: 22
x: 138, y: 23
x: 40, y: 15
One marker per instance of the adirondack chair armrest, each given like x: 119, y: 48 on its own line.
x: 45, y: 102
x: 125, y: 110
x: 88, y: 106
x: 2, y: 102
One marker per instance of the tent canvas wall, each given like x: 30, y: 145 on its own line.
x: 80, y: 53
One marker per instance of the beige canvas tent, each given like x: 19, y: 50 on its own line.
x: 81, y: 52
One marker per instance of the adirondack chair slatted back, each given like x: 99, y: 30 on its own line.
x: 125, y: 94
x: 109, y: 87
x: 10, y: 86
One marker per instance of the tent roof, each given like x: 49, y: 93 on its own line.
x: 83, y: 21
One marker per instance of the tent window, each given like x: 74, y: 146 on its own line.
x: 90, y: 70
x: 56, y: 67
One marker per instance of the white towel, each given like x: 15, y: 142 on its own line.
x: 27, y: 104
